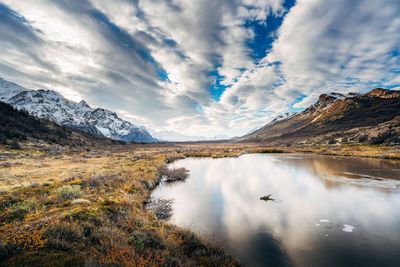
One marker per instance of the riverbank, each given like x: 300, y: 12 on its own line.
x: 81, y: 207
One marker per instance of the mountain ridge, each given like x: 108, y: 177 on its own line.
x: 19, y: 126
x: 337, y: 118
x: 51, y: 105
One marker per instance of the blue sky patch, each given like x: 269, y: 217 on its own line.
x: 260, y: 45
x: 216, y: 88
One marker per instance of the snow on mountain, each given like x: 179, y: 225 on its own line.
x: 52, y: 106
x: 280, y: 117
x: 109, y: 124
x: 171, y: 136
x: 9, y: 89
x: 283, y: 116
x: 343, y: 96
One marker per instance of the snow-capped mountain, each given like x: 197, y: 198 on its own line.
x: 110, y: 125
x: 50, y: 105
x: 9, y: 89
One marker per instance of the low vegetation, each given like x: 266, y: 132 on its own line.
x: 173, y: 174
x: 66, y: 192
x: 87, y: 207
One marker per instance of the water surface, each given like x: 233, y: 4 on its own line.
x: 328, y: 211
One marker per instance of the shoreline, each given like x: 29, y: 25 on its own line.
x: 113, y: 187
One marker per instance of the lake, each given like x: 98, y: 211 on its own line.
x: 326, y: 211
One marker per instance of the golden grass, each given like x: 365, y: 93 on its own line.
x: 105, y: 222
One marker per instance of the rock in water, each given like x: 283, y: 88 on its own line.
x: 267, y: 198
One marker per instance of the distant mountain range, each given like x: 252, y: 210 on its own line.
x: 50, y: 105
x: 172, y: 136
x: 335, y: 118
x: 372, y: 118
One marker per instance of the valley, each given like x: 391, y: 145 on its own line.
x: 197, y: 133
x: 75, y: 182
x: 75, y: 206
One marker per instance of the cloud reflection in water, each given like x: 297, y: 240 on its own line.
x: 222, y: 198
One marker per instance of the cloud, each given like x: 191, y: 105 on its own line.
x: 322, y: 47
x: 347, y: 46
x: 157, y: 62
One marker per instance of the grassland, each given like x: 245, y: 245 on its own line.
x: 85, y: 207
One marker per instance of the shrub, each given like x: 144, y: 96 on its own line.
x: 191, y: 244
x: 63, y: 235
x: 331, y: 141
x: 362, y: 138
x: 8, y: 202
x: 15, y: 145
x: 92, y: 215
x: 14, y: 215
x: 141, y: 240
x: 270, y: 150
x: 116, y: 211
x: 18, y: 211
x: 174, y: 174
x: 8, y: 250
x: 103, y: 180
x: 106, y: 237
x: 76, y: 181
x: 380, y: 138
x: 132, y: 190
x: 69, y: 192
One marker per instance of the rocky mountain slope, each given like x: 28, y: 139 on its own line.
x: 373, y: 117
x: 50, y: 105
x: 17, y: 125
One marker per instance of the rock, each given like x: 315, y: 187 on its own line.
x: 267, y: 198
x: 162, y: 208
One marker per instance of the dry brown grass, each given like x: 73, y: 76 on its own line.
x: 108, y: 223
x: 89, y: 208
x: 174, y: 174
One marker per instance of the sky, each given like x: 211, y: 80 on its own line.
x: 200, y: 67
